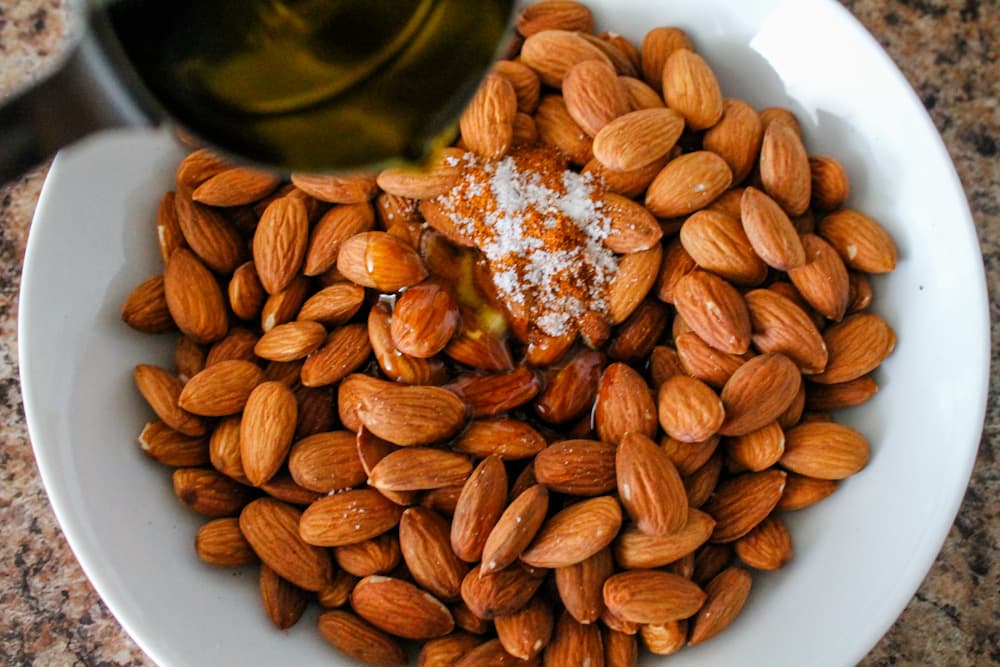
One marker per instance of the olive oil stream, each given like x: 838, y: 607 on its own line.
x: 317, y: 85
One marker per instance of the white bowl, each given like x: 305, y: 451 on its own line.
x: 860, y: 554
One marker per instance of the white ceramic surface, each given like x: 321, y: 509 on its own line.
x: 860, y: 555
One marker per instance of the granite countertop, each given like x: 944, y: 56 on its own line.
x: 948, y: 49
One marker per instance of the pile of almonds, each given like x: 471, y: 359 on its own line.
x: 355, y: 411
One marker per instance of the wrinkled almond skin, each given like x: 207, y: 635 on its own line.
x: 235, y: 187
x: 162, y: 392
x: 633, y: 228
x: 714, y: 310
x: 640, y: 94
x: 636, y: 275
x: 635, y: 549
x: 676, y: 264
x: 526, y: 632
x: 246, y: 294
x: 554, y: 15
x: 624, y: 404
x: 736, y: 138
x: 337, y: 188
x: 759, y: 392
x: 575, y: 534
x: 479, y: 507
x: 527, y: 86
x: 282, y: 307
x: 368, y: 515
x: 759, y: 449
x: 238, y: 344
x: 637, y: 336
x: 717, y: 243
x: 691, y: 89
x: 628, y: 183
x: 499, y: 593
x: 220, y: 543
x: 420, y: 468
x: 825, y: 450
x: 581, y: 586
x: 424, y: 540
x: 552, y: 53
x: 665, y: 638
x: 209, y: 235
x: 742, y: 502
x: 279, y: 244
x: 400, y: 608
x: 577, y: 467
x: 486, y: 123
x: 403, y: 415
x: 699, y: 360
x: 221, y: 389
x: 491, y: 395
x: 637, y: 139
x: 822, y: 281
x: 557, y: 128
x: 770, y: 231
x: 515, y: 529
x: 688, y: 183
x: 272, y: 529
x: 830, y: 185
x: 651, y: 596
x: 194, y: 298
x: 433, y: 179
x: 284, y: 602
x: 657, y: 47
x: 325, y: 462
x: 856, y: 347
x: 779, y: 325
x: 146, y: 310
x: 574, y: 643
x: 359, y: 640
x: 171, y: 448
x: 266, y: 430
x: 594, y: 96
x: 509, y: 439
x: 689, y: 456
x: 493, y: 653
x: 784, y: 168
x: 801, y: 492
x: 843, y: 395
x: 649, y: 486
x: 726, y: 595
x: 620, y: 648
x: 336, y: 226
x: 766, y: 547
x: 862, y: 243
x: 689, y: 410
x: 448, y: 650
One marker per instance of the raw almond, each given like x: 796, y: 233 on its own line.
x: 577, y: 467
x: 830, y: 185
x: 689, y: 410
x: 162, y: 392
x: 380, y: 260
x: 629, y: 183
x: 499, y: 593
x: 379, y: 555
x: 394, y: 364
x: 337, y: 189
x: 526, y: 632
x: 337, y: 593
x: 279, y: 244
x: 657, y: 47
x: 345, y: 350
x: 631, y: 283
x: 703, y: 362
x: 688, y: 183
x: 860, y: 292
x: 266, y: 430
x: 862, y: 243
x: 424, y: 539
x: 333, y: 305
x: 146, y: 310
x: 742, y: 502
x: 650, y: 489
x: 221, y: 389
x: 527, y: 86
x: 736, y: 138
x: 359, y: 640
x: 593, y: 95
x: 575, y: 534
x: 420, y: 468
x: 620, y: 648
x: 640, y: 94
x: 714, y: 310
x: 842, y: 395
x: 220, y: 543
x: 651, y: 596
x: 348, y: 518
x: 825, y: 450
x: 235, y: 187
x: 197, y: 167
x: 636, y: 337
x: 490, y: 395
x: 237, y: 345
x: 701, y: 483
x: 771, y: 233
x: 448, y: 650
x: 284, y: 602
x: 168, y: 229
x: 509, y: 439
x: 492, y: 653
x: 282, y: 487
x: 479, y: 507
x: 759, y: 449
x: 246, y: 294
x: 435, y: 179
x: 168, y: 447
x: 759, y: 392
x: 676, y: 264
x: 581, y: 586
x: 282, y: 307
x: 554, y: 15
x: 194, y: 298
x: 691, y: 89
x: 486, y: 123
x: 417, y: 415
x: 633, y: 228
x: 515, y: 529
x: 784, y: 168
x: 726, y: 595
x: 801, y: 492
x: 209, y: 235
x: 856, y: 346
x: 689, y: 456
x: 635, y: 549
x: 779, y: 325
x: 822, y: 280
x: 624, y: 404
x: 326, y: 462
x: 557, y: 128
x: 551, y: 53
x: 400, y: 608
x: 272, y: 529
x: 425, y: 318
x: 290, y: 341
x: 574, y: 643
x: 336, y: 226
x: 189, y: 358
x: 766, y: 547
x: 717, y: 243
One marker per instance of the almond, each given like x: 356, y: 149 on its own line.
x: 857, y: 346
x: 394, y: 364
x: 423, y: 537
x: 168, y: 447
x: 492, y: 653
x: 689, y: 410
x: 830, y: 185
x: 649, y: 486
x: 701, y: 483
x: 633, y: 228
x: 282, y: 487
x: 676, y: 264
x: 419, y: 468
x: 635, y: 549
x: 469, y: 622
x: 691, y: 89
x: 620, y: 648
x: 526, y: 632
x: 726, y: 595
x: 557, y: 128
x: 554, y: 15
x: 515, y: 529
x: 486, y: 123
x: 145, y: 309
x: 282, y: 307
x: 793, y: 414
x: 417, y: 415
x: 657, y: 46
x: 337, y: 593
x: 168, y: 228
x: 380, y: 260
x: 860, y: 293
x: 336, y: 226
x: 379, y: 555
x: 337, y: 189
x: 479, y: 507
x: 333, y: 305
x: 434, y: 179
x: 636, y: 337
x: 194, y: 298
x: 552, y: 53
x: 162, y: 392
x: 705, y: 363
x: 710, y: 561
x: 348, y: 518
x: 801, y: 492
x: 500, y: 593
x: 759, y: 392
x: 771, y: 233
x: 640, y: 94
x: 448, y: 650
x: 316, y: 412
x: 290, y: 341
x: 714, y: 310
x: 736, y: 138
x: 509, y: 439
x: 574, y: 643
x: 581, y: 586
x: 198, y: 167
x: 284, y: 602
x: 425, y: 318
x: 189, y: 358
x: 575, y: 534
x: 593, y: 95
x: 359, y: 640
x: 272, y: 529
x: 825, y: 450
x: 235, y: 187
x: 862, y: 243
x: 784, y: 168
x: 346, y: 349
x: 279, y: 244
x: 246, y: 294
x: 209, y: 235
x: 651, y: 596
x: 624, y: 405
x: 779, y: 325
x: 631, y: 283
x: 266, y: 430
x: 577, y: 467
x: 236, y: 345
x: 781, y: 115
x: 490, y: 395
x: 629, y: 183
x: 717, y: 243
x: 221, y: 389
x: 759, y: 449
x: 326, y: 462
x: 688, y: 183
x: 220, y: 543
x: 823, y: 279
x: 842, y: 395
x: 526, y: 84
x: 689, y: 456
x: 665, y: 638
x: 766, y: 547
x: 742, y: 502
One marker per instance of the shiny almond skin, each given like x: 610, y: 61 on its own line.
x: 380, y: 260
x: 368, y: 515
x: 266, y: 430
x: 717, y: 243
x: 410, y: 415
x: 345, y: 350
x: 699, y: 360
x: 593, y: 94
x: 552, y: 53
x: 581, y: 586
x: 714, y: 310
x: 825, y: 450
x: 272, y: 529
x: 360, y: 640
x: 336, y: 226
x: 766, y: 547
x: 499, y: 593
x: 420, y: 468
x: 209, y: 235
x: 146, y: 309
x: 624, y: 405
x: 425, y: 319
x: 635, y: 549
x: 638, y: 139
x: 515, y: 529
x: 770, y: 231
x: 575, y: 534
x: 736, y: 138
x: 691, y: 89
x: 759, y: 449
x: 649, y: 486
x: 635, y: 277
x: 284, y: 602
x: 221, y: 389
x: 574, y: 643
x: 246, y: 294
x: 779, y: 325
x: 742, y: 502
x: 856, y: 347
x: 194, y: 298
x: 162, y: 391
x: 486, y: 123
x: 479, y: 507
x: 333, y: 305
x: 509, y: 439
x: 688, y: 183
x: 326, y: 461
x: 726, y: 595
x: 577, y: 467
x: 823, y: 280
x: 637, y: 336
x: 170, y: 448
x: 526, y: 632
x: 493, y: 394
x: 801, y: 492
x: 395, y: 365
x: 424, y: 540
x: 220, y: 543
x: 337, y: 188
x: 400, y: 608
x: 651, y: 596
x: 689, y: 410
x: 759, y: 392
x: 633, y: 228
x: 784, y: 168
x: 830, y: 185
x: 290, y: 341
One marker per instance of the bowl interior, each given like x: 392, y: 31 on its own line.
x: 860, y: 554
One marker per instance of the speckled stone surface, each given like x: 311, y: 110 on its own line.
x: 948, y: 49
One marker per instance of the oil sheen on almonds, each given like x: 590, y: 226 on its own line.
x: 318, y: 85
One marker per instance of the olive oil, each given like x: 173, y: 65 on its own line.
x: 313, y: 85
